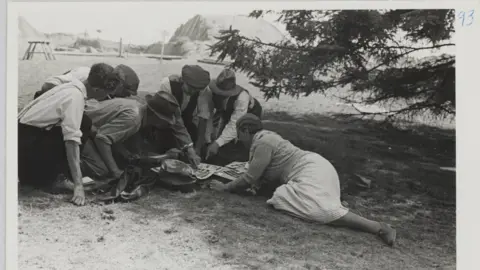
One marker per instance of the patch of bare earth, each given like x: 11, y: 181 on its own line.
x: 208, y: 230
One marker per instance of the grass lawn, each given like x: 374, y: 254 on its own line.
x: 208, y: 230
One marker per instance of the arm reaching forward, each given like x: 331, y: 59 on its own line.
x: 73, y: 157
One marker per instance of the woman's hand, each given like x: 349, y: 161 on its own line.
x: 217, y: 185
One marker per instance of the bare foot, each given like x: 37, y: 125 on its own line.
x: 387, y: 234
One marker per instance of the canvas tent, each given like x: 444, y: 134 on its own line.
x: 26, y: 33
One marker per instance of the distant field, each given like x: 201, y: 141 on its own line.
x: 151, y: 71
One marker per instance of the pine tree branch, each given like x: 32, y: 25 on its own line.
x: 317, y: 47
x: 412, y: 48
x: 406, y: 53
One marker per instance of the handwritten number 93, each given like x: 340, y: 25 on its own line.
x: 466, y: 18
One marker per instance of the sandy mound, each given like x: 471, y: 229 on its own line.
x: 26, y: 30
x: 192, y: 38
x: 62, y: 39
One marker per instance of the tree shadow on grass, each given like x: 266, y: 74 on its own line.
x: 408, y: 191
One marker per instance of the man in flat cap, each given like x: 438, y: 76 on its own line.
x: 231, y: 102
x: 189, y: 90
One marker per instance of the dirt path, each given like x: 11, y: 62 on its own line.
x: 207, y: 230
x: 62, y: 236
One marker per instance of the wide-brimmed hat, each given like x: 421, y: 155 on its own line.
x: 163, y: 105
x: 195, y: 76
x: 225, y: 84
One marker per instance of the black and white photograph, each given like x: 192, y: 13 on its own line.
x: 161, y: 135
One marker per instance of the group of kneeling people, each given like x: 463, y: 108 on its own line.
x: 90, y: 121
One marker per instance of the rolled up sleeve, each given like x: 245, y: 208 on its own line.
x: 72, y: 109
x: 165, y: 85
x: 230, y: 131
x: 205, y: 104
x: 120, y: 128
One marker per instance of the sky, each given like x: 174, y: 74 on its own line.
x: 137, y: 23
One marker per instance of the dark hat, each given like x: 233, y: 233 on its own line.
x: 129, y: 79
x: 225, y: 84
x: 163, y: 105
x: 251, y: 121
x: 195, y: 76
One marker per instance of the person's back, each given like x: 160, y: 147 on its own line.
x: 42, y: 113
x: 116, y: 121
x: 103, y: 112
x: 284, y: 153
x: 79, y: 73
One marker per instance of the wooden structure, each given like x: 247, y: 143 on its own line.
x: 45, y: 48
x: 120, y: 48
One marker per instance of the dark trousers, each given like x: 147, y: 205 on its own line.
x: 42, y: 155
x: 192, y: 129
x: 229, y: 153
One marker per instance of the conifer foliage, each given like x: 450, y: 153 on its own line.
x: 369, y: 52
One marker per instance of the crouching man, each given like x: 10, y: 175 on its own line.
x: 50, y: 134
x: 129, y: 128
x: 230, y: 102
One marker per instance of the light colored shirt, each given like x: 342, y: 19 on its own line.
x: 240, y: 106
x: 61, y: 106
x: 80, y: 73
x: 115, y: 119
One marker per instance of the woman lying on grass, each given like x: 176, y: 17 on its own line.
x: 310, y: 186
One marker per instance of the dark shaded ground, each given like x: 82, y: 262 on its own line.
x: 408, y: 191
